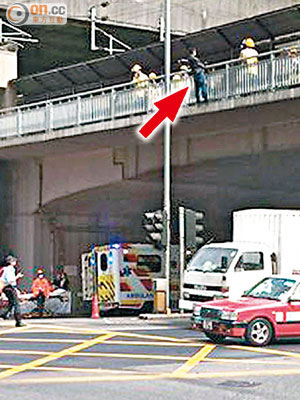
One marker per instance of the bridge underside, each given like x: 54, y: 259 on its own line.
x: 216, y: 186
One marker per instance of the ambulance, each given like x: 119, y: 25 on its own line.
x: 124, y: 276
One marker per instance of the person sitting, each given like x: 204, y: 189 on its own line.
x: 41, y: 289
x: 61, y: 280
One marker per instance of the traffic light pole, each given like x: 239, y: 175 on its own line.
x: 167, y: 151
x: 181, y: 247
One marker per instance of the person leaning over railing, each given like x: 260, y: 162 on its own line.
x: 155, y: 88
x: 249, y: 55
x: 140, y: 81
x: 181, y: 79
x: 294, y: 65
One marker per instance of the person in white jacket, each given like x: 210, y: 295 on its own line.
x: 9, y: 278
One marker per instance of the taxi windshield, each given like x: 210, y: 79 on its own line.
x: 271, y: 288
x: 212, y: 259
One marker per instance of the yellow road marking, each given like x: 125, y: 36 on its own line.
x: 41, y: 340
x: 72, y: 369
x: 195, y: 359
x: 170, y: 344
x: 55, y: 356
x: 151, y: 356
x: 247, y: 361
x: 26, y: 352
x: 93, y: 354
x: 15, y: 330
x: 123, y: 334
x: 137, y: 356
x: 88, y: 379
x: 266, y: 351
x: 127, y: 343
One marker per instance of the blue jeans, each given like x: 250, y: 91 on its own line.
x: 200, y: 86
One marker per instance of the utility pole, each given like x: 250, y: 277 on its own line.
x: 167, y: 151
x: 181, y: 246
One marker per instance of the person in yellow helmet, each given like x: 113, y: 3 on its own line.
x: 181, y: 79
x: 141, y: 82
x: 140, y: 79
x: 153, y: 78
x: 249, y: 55
x: 155, y: 88
x: 294, y: 65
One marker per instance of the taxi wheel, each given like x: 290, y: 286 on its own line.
x: 259, y: 332
x: 214, y: 337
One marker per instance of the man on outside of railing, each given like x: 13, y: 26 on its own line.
x: 249, y: 56
x: 199, y: 73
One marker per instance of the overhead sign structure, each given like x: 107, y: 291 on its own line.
x: 167, y: 108
x: 11, y: 38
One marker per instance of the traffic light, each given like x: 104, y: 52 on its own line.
x: 155, y: 227
x: 194, y: 228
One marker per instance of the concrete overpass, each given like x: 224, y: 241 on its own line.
x: 187, y: 15
x: 74, y: 171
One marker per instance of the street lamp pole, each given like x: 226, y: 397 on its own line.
x: 167, y: 151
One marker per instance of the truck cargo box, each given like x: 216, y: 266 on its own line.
x: 278, y: 229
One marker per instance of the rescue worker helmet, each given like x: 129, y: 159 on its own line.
x: 136, y: 68
x: 184, y: 68
x: 293, y: 51
x: 249, y: 42
x: 152, y: 75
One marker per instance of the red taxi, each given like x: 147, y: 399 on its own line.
x: 269, y: 310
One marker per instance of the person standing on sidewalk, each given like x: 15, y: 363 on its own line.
x: 9, y: 278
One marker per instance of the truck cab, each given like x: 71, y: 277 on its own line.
x: 220, y: 270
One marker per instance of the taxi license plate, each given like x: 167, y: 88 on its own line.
x: 208, y: 325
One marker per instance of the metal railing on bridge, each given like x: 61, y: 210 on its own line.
x: 229, y: 79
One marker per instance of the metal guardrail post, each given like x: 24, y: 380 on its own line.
x: 148, y: 98
x: 227, y: 91
x: 19, y: 122
x: 273, y: 71
x: 112, y: 103
x: 50, y: 116
x: 78, y: 110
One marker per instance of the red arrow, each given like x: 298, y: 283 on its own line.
x: 167, y: 108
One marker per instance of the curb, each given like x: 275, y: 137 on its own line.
x: 165, y: 316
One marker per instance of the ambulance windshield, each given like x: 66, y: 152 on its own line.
x: 212, y: 259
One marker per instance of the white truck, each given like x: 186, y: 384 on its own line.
x: 265, y: 242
